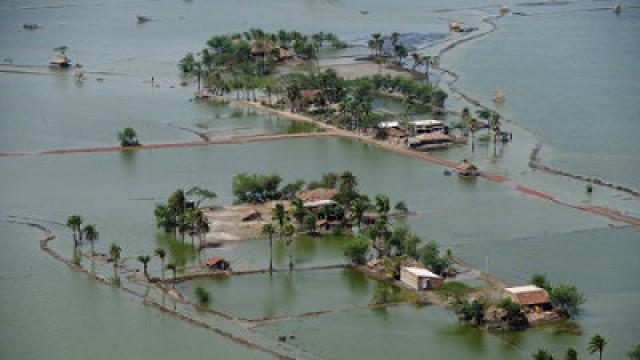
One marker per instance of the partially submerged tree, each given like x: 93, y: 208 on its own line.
x: 128, y: 137
x: 568, y: 298
x: 597, y: 345
x: 91, y: 234
x: 74, y: 222
x: 202, y: 295
x: 269, y: 230
x: 356, y: 250
x: 144, y: 259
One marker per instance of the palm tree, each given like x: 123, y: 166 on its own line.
x: 289, y: 231
x: 359, y: 207
x: 161, y: 253
x: 299, y: 211
x: 91, y: 234
x: 426, y: 62
x: 114, y: 252
x: 174, y: 268
x: 473, y: 126
x: 417, y: 60
x: 597, y: 345
x: 144, y: 259
x: 74, y: 222
x: 572, y: 354
x: 269, y: 230
x: 279, y: 214
x: 382, y: 204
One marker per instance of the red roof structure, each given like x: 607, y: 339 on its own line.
x: 528, y: 295
x: 215, y: 260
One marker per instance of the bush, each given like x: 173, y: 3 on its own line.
x: 202, y: 295
x: 567, y: 298
x: 356, y: 250
x: 128, y: 137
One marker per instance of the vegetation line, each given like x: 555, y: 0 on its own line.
x: 48, y: 236
x: 534, y: 160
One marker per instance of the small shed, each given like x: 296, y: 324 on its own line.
x: 218, y: 263
x: 419, y: 278
x: 530, y: 297
x: 260, y: 48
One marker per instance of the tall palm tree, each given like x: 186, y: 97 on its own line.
x: 144, y: 259
x: 74, y: 222
x: 91, y: 234
x: 115, y: 252
x: 162, y: 254
x: 472, y: 125
x: 269, y: 230
x: 417, y: 60
x: 174, y: 268
x: 288, y: 232
x: 597, y: 345
x: 279, y: 214
x: 426, y: 62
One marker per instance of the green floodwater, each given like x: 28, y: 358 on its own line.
x: 51, y: 312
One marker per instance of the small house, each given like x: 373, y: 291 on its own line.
x: 530, y: 297
x: 467, y: 169
x: 418, y: 127
x: 419, y: 278
x: 218, y: 263
x: 60, y: 61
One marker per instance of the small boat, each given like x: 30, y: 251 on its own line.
x: 499, y: 97
x: 364, y: 12
x: 454, y: 26
x: 142, y: 19
x: 504, y: 10
x: 617, y: 9
x: 30, y: 26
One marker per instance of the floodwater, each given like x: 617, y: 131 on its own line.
x: 51, y: 312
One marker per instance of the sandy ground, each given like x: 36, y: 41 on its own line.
x: 226, y: 223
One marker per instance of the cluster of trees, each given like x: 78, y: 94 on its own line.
x: 260, y: 188
x: 182, y: 213
x: 250, y: 55
x: 87, y: 232
x: 596, y: 345
x: 398, y: 50
x: 472, y: 124
x: 565, y: 297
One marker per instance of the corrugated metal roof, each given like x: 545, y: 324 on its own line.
x: 421, y: 272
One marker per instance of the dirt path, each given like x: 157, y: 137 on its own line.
x: 186, y: 144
